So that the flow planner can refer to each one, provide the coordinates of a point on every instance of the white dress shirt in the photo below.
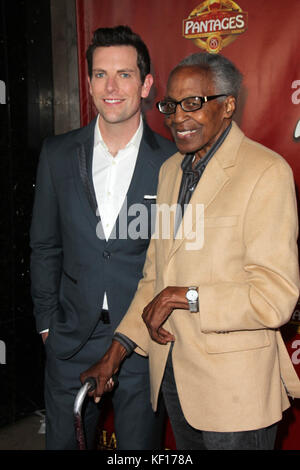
(111, 177)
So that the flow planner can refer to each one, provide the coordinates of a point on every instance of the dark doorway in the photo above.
(26, 118)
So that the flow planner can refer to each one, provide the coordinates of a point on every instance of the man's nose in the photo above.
(179, 114)
(111, 84)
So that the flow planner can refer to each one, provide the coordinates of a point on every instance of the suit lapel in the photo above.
(211, 183)
(82, 169)
(144, 167)
(168, 197)
(85, 170)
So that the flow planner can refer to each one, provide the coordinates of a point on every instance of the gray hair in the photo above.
(227, 78)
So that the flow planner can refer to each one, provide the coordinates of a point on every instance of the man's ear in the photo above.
(229, 106)
(90, 86)
(146, 87)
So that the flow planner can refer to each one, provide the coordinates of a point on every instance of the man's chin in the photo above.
(184, 149)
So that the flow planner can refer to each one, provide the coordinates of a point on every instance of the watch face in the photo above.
(192, 295)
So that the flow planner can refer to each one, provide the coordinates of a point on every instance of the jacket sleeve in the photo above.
(46, 246)
(132, 326)
(268, 295)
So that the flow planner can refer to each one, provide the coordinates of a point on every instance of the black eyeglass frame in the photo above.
(203, 99)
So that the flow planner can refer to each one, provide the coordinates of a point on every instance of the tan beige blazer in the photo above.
(230, 363)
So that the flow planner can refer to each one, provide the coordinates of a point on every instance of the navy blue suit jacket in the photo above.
(71, 267)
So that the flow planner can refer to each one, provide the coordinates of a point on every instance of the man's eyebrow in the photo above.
(126, 70)
(100, 69)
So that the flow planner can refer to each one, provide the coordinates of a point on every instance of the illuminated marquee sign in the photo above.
(214, 24)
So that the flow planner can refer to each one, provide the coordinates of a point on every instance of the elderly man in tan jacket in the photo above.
(217, 289)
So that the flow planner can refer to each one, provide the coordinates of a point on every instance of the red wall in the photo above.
(267, 53)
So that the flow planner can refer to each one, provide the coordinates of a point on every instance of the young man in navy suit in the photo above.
(86, 258)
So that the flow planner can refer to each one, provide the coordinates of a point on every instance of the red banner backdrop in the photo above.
(262, 39)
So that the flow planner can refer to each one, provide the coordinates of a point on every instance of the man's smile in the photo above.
(112, 100)
(185, 133)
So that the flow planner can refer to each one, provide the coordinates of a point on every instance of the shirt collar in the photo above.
(186, 163)
(135, 140)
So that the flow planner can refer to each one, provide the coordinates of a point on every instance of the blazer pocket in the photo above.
(70, 277)
(234, 341)
(226, 221)
(70, 295)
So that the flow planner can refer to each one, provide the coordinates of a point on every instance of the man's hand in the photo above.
(158, 310)
(104, 369)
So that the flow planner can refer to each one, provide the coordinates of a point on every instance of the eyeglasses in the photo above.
(190, 104)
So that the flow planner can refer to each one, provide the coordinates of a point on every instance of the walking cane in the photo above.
(88, 386)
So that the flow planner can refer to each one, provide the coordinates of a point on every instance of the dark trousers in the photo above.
(135, 424)
(189, 438)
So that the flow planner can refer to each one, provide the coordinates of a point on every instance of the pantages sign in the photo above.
(215, 24)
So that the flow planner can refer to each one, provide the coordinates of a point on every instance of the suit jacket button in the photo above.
(106, 254)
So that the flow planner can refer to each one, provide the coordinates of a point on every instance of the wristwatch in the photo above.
(192, 298)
